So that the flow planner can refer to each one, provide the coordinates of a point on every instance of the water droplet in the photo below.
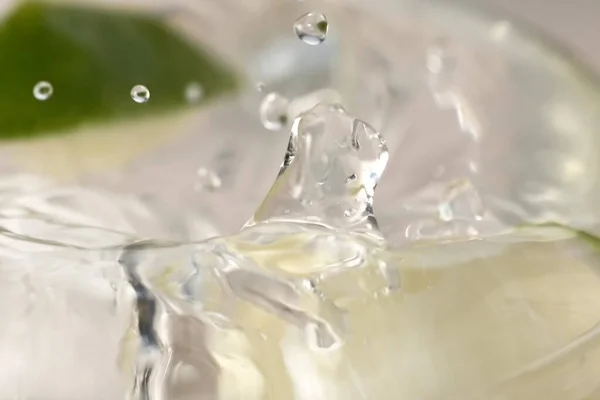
(260, 86)
(312, 28)
(274, 111)
(208, 180)
(351, 178)
(43, 90)
(140, 94)
(194, 92)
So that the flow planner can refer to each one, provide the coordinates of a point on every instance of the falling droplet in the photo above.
(208, 180)
(194, 92)
(43, 90)
(274, 111)
(312, 28)
(140, 94)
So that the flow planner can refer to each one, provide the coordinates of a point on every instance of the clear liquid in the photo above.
(308, 301)
(305, 302)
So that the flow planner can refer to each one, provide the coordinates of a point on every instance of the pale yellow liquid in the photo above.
(483, 319)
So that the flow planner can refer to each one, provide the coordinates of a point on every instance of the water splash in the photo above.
(451, 206)
(191, 318)
(326, 147)
(451, 209)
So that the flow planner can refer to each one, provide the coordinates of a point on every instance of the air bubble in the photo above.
(312, 28)
(43, 90)
(140, 94)
(274, 111)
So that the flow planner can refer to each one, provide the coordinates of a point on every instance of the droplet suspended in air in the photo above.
(207, 180)
(140, 94)
(43, 90)
(274, 111)
(194, 92)
(312, 28)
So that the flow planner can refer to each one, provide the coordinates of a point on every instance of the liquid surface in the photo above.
(306, 302)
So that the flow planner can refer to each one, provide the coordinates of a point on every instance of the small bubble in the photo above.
(274, 111)
(312, 28)
(208, 180)
(43, 90)
(140, 94)
(349, 212)
(194, 92)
